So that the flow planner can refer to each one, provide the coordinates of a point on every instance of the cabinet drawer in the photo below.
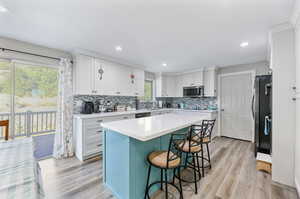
(93, 144)
(93, 122)
(93, 131)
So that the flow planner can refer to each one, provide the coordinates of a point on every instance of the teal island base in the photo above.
(125, 164)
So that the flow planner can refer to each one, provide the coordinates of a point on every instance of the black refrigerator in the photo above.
(262, 114)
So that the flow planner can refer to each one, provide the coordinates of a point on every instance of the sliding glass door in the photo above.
(5, 93)
(28, 98)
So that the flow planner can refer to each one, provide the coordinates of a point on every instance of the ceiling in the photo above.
(186, 34)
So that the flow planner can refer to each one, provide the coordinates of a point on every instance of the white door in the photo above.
(235, 105)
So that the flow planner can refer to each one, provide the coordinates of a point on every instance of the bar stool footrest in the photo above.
(188, 181)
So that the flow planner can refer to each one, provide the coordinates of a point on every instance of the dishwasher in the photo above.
(140, 115)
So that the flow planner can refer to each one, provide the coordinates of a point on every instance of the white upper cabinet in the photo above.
(172, 86)
(166, 86)
(137, 82)
(179, 86)
(192, 79)
(97, 77)
(210, 83)
(84, 75)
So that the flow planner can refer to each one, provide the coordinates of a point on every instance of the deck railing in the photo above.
(31, 123)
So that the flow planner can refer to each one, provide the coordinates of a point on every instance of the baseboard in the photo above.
(297, 186)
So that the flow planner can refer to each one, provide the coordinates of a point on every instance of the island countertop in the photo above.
(148, 128)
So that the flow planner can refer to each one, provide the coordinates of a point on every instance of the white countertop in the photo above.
(148, 128)
(110, 114)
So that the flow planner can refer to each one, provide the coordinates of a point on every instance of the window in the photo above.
(148, 96)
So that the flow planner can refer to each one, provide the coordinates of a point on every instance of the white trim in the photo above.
(281, 27)
(253, 73)
(297, 186)
(37, 64)
(103, 57)
(202, 69)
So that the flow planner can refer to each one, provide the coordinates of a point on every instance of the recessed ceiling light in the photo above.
(244, 44)
(118, 48)
(3, 9)
(164, 64)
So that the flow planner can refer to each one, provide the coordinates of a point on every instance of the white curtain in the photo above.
(63, 143)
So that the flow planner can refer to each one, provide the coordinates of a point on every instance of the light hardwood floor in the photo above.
(233, 176)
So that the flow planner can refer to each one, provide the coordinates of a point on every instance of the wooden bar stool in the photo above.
(5, 123)
(165, 160)
(202, 135)
(191, 149)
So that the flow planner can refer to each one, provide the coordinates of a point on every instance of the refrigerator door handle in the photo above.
(252, 108)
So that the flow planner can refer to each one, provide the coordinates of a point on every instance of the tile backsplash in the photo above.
(189, 103)
(192, 103)
(124, 100)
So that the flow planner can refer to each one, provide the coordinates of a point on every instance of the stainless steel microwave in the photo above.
(193, 91)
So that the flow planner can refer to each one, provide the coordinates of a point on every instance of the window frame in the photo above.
(152, 92)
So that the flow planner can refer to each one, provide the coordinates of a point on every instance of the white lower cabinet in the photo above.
(88, 135)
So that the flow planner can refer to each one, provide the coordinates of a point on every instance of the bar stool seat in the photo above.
(189, 146)
(166, 160)
(204, 140)
(160, 159)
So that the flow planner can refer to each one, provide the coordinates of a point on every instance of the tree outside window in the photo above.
(148, 90)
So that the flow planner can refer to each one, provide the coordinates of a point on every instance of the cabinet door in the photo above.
(139, 83)
(171, 88)
(179, 86)
(197, 78)
(123, 80)
(107, 83)
(187, 80)
(164, 86)
(84, 84)
(210, 83)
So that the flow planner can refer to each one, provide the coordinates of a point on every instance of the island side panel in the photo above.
(139, 166)
(139, 151)
(116, 163)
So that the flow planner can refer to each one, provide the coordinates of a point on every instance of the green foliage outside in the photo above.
(30, 81)
(148, 91)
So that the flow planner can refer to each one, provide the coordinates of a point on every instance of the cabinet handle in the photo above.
(118, 92)
(125, 117)
(99, 131)
(99, 120)
(99, 144)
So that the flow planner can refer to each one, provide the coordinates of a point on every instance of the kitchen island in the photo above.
(127, 144)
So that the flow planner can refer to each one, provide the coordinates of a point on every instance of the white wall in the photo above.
(261, 68)
(295, 19)
(283, 136)
(31, 48)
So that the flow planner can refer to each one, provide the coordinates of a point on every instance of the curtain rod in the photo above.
(33, 54)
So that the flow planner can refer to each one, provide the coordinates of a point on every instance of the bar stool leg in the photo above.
(208, 155)
(174, 173)
(195, 174)
(166, 180)
(161, 179)
(186, 160)
(202, 160)
(180, 185)
(198, 164)
(147, 184)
